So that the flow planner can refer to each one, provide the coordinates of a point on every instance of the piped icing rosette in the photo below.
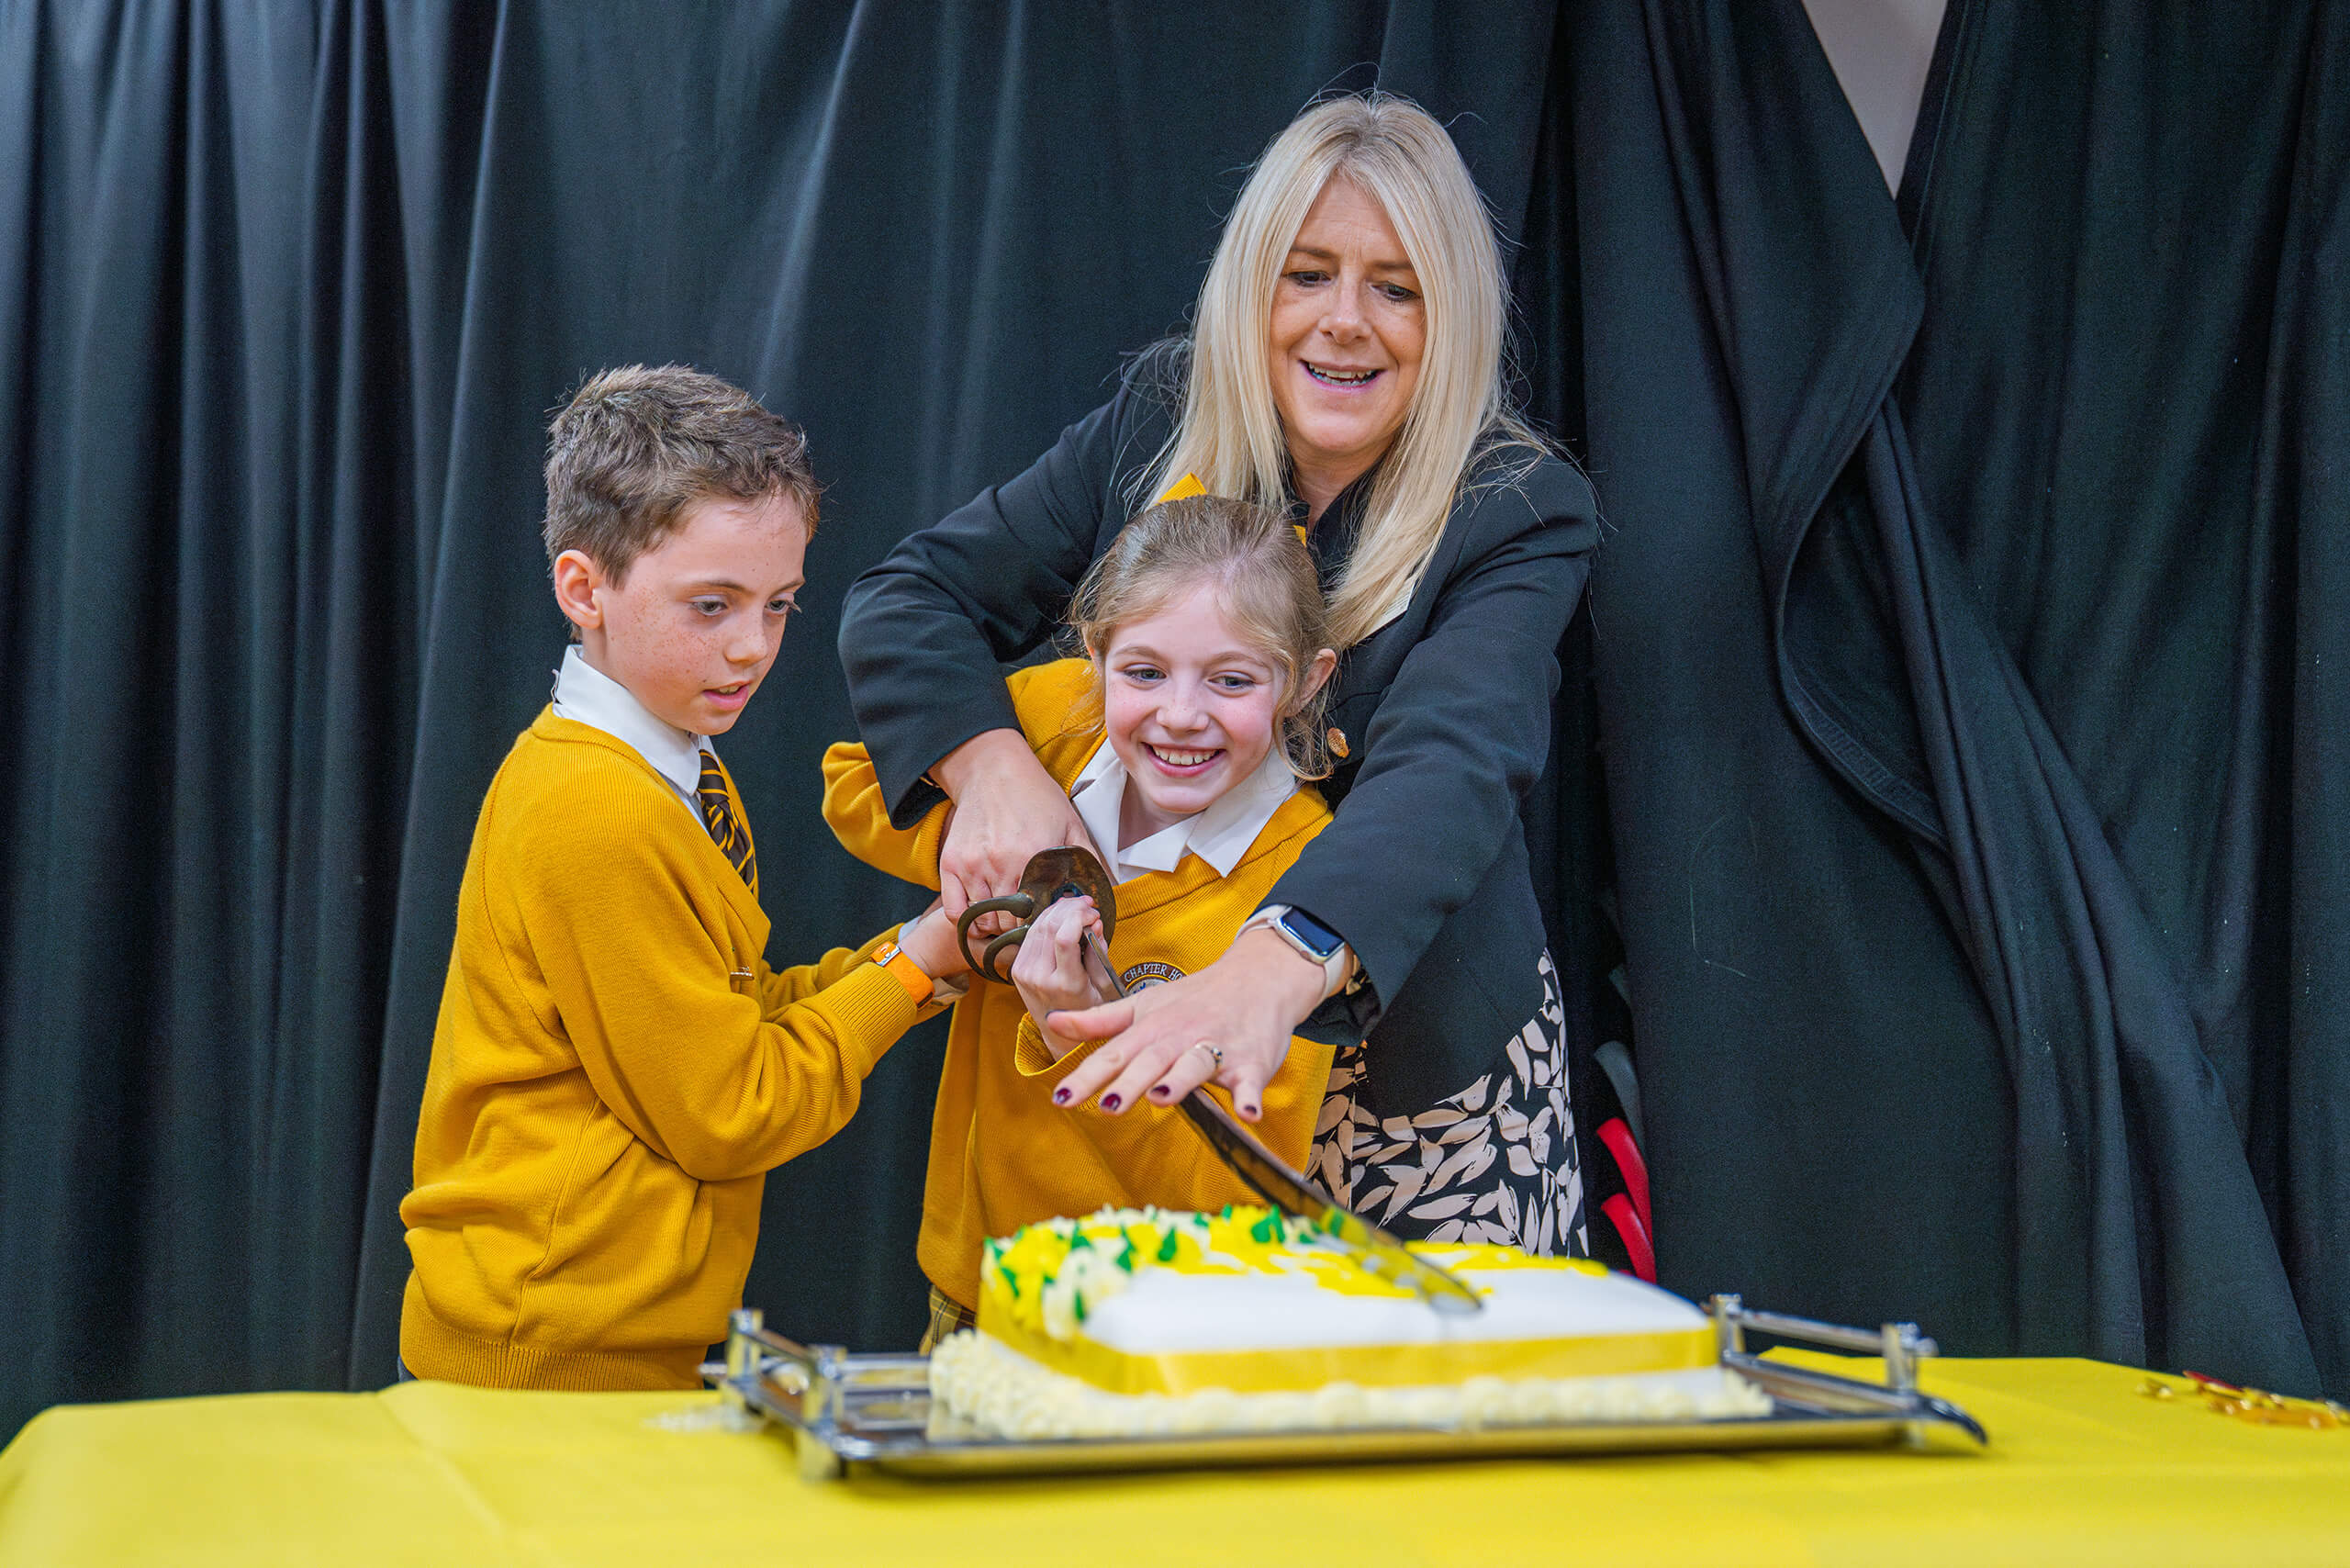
(1142, 1320)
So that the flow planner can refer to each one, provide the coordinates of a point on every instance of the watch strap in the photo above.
(905, 971)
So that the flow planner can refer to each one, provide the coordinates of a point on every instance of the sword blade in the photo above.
(1271, 1179)
(1263, 1172)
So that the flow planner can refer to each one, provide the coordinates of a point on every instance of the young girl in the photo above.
(1184, 737)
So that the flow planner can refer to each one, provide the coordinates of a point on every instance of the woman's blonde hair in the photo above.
(1229, 432)
(1265, 584)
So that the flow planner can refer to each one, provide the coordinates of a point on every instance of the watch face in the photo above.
(1312, 933)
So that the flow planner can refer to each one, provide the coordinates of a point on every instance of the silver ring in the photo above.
(1214, 1054)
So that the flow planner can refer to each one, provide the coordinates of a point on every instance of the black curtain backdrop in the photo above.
(1963, 659)
(1966, 644)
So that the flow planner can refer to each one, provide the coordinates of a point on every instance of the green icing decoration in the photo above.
(1167, 1249)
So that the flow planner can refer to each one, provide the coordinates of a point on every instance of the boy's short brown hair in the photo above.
(635, 446)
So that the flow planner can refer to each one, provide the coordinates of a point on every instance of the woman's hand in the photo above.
(1245, 1004)
(1007, 810)
(1051, 971)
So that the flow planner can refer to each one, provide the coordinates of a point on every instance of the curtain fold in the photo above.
(2142, 1236)
(1994, 503)
(1827, 1106)
(2124, 367)
(2304, 476)
(151, 659)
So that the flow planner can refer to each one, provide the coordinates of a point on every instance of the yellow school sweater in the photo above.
(614, 1071)
(1002, 1154)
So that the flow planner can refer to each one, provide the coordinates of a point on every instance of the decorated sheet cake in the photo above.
(1141, 1321)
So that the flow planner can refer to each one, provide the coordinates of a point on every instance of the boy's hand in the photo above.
(929, 940)
(1050, 969)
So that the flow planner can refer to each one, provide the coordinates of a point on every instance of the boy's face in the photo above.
(692, 627)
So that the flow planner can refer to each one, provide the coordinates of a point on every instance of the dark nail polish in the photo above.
(1060, 1096)
(1110, 1101)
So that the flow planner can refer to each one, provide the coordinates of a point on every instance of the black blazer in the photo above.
(1445, 714)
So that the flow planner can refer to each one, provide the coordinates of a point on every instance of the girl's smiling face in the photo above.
(1190, 707)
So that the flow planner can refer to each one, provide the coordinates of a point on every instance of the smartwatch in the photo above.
(1311, 938)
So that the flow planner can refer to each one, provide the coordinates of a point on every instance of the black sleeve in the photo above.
(925, 634)
(1459, 737)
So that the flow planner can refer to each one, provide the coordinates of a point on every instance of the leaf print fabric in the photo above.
(1494, 1162)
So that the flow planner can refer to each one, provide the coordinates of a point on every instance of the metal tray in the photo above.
(846, 1410)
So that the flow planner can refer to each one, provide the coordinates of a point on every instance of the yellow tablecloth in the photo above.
(2082, 1470)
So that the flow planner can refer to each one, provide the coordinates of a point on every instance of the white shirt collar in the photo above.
(1219, 836)
(584, 693)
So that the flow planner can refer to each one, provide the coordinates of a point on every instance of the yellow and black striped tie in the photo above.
(717, 815)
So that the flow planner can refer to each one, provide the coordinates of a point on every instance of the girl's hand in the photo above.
(1007, 810)
(1050, 969)
(1245, 1004)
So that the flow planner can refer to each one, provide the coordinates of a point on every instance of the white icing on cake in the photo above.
(1165, 1311)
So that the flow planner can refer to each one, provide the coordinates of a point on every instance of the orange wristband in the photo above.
(905, 971)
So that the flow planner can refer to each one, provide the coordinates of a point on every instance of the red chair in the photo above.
(1629, 1211)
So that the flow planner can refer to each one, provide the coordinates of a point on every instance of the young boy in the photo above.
(615, 1068)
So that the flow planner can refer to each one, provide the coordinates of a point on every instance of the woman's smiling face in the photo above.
(1349, 326)
(1190, 709)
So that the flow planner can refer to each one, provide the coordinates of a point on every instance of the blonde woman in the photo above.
(1345, 363)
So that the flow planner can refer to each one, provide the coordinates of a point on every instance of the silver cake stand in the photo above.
(874, 1411)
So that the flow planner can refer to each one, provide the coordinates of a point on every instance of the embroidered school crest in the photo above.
(1151, 974)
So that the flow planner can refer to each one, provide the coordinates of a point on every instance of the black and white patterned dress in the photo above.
(1493, 1162)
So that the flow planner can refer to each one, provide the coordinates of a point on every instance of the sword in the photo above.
(1264, 1173)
